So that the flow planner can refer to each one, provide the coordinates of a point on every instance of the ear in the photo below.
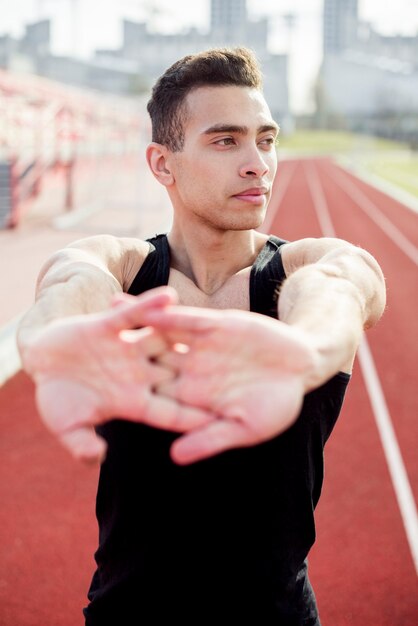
(157, 158)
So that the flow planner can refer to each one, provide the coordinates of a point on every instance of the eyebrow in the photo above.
(241, 130)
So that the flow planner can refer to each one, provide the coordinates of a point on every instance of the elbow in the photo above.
(362, 270)
(375, 289)
(76, 266)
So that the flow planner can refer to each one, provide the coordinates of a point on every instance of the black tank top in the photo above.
(223, 540)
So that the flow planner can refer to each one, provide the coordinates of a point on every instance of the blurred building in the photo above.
(228, 18)
(368, 81)
(32, 54)
(21, 54)
(144, 55)
(229, 26)
(340, 19)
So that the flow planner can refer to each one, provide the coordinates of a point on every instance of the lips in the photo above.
(254, 195)
(254, 191)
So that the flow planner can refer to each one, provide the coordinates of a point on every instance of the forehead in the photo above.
(230, 104)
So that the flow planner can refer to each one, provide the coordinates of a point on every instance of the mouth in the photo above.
(255, 195)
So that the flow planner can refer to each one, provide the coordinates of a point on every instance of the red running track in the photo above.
(362, 567)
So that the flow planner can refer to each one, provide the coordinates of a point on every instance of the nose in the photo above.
(254, 165)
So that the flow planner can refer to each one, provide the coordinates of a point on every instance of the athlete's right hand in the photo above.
(91, 368)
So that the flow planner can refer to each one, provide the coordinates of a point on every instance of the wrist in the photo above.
(330, 315)
(329, 352)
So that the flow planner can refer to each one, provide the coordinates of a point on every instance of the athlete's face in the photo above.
(225, 172)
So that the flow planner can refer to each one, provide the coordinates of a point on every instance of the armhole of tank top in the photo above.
(135, 287)
(280, 269)
(337, 383)
(343, 376)
(267, 266)
(279, 243)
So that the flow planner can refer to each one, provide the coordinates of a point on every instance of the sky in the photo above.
(80, 26)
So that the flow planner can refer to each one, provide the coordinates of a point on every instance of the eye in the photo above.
(225, 141)
(268, 141)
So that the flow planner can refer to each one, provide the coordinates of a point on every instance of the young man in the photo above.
(211, 414)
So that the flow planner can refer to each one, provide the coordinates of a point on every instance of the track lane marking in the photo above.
(396, 466)
(370, 208)
(384, 422)
(10, 362)
(278, 195)
(319, 201)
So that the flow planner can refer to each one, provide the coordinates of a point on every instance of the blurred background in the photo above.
(341, 79)
(75, 76)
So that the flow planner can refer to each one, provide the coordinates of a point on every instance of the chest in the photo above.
(234, 294)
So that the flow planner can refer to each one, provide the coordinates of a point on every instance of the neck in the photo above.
(210, 257)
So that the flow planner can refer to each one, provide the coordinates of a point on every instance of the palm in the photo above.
(247, 369)
(89, 369)
(96, 369)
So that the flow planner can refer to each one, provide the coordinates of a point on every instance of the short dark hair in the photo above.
(219, 66)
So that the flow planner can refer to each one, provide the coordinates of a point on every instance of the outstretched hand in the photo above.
(224, 379)
(250, 371)
(92, 368)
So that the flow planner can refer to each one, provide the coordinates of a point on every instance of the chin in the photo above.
(251, 221)
(237, 220)
(244, 224)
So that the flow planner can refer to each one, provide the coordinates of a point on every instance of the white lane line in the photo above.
(409, 201)
(319, 200)
(9, 356)
(376, 215)
(397, 470)
(278, 195)
(391, 449)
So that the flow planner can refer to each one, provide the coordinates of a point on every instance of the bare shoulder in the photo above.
(339, 258)
(302, 252)
(120, 256)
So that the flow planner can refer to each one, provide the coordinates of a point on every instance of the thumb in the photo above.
(127, 311)
(84, 445)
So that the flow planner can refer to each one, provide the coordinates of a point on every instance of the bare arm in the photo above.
(81, 278)
(87, 360)
(334, 290)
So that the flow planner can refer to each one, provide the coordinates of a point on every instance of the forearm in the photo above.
(333, 301)
(66, 288)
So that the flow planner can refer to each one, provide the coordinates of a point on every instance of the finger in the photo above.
(168, 389)
(157, 375)
(182, 339)
(214, 438)
(84, 445)
(147, 341)
(173, 359)
(165, 413)
(181, 318)
(130, 310)
(185, 388)
(123, 297)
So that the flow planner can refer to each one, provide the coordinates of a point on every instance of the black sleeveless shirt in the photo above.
(223, 540)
